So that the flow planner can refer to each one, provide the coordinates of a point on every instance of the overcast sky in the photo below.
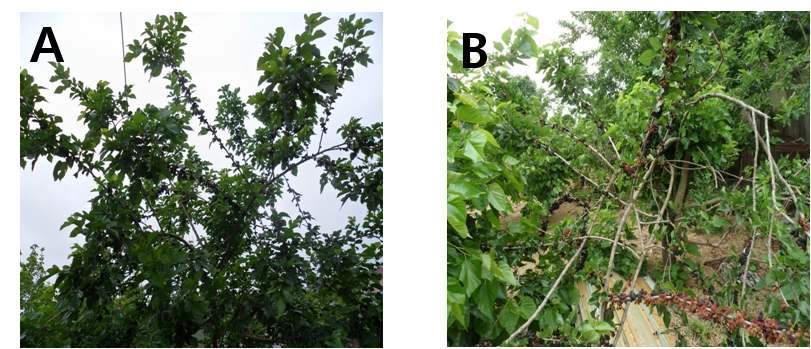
(495, 23)
(222, 49)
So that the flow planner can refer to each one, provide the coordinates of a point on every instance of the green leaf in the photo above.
(455, 51)
(469, 276)
(473, 115)
(60, 169)
(318, 34)
(485, 299)
(526, 307)
(647, 56)
(497, 198)
(458, 313)
(279, 307)
(464, 189)
(503, 272)
(510, 161)
(487, 266)
(472, 152)
(590, 331)
(507, 36)
(480, 136)
(533, 21)
(708, 21)
(527, 47)
(602, 327)
(466, 99)
(655, 44)
(508, 317)
(588, 335)
(547, 322)
(456, 294)
(457, 217)
(691, 248)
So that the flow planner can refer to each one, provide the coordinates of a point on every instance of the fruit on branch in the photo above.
(652, 128)
(803, 224)
(186, 91)
(763, 327)
(629, 170)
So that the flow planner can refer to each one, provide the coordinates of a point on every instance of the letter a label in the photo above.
(47, 33)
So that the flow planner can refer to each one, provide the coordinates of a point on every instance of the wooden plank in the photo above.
(643, 327)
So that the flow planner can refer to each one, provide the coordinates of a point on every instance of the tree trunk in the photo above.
(678, 208)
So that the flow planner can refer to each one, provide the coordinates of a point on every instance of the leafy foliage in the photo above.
(180, 253)
(39, 315)
(586, 129)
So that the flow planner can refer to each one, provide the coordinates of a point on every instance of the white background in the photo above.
(414, 135)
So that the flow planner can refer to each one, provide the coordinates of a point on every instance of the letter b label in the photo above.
(468, 49)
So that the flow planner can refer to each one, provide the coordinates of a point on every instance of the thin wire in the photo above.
(123, 55)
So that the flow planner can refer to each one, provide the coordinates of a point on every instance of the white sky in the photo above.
(492, 25)
(222, 49)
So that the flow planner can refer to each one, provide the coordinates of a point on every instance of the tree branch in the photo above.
(774, 170)
(303, 160)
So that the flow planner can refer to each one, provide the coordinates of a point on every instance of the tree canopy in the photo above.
(178, 252)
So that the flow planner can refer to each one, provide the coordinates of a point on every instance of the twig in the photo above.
(754, 164)
(303, 160)
(259, 338)
(614, 147)
(591, 181)
(624, 217)
(769, 256)
(589, 146)
(653, 197)
(123, 54)
(771, 168)
(669, 192)
(191, 224)
(551, 290)
(197, 111)
(739, 102)
(631, 285)
(176, 238)
(722, 172)
(595, 237)
(746, 264)
(718, 67)
(161, 232)
(666, 221)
